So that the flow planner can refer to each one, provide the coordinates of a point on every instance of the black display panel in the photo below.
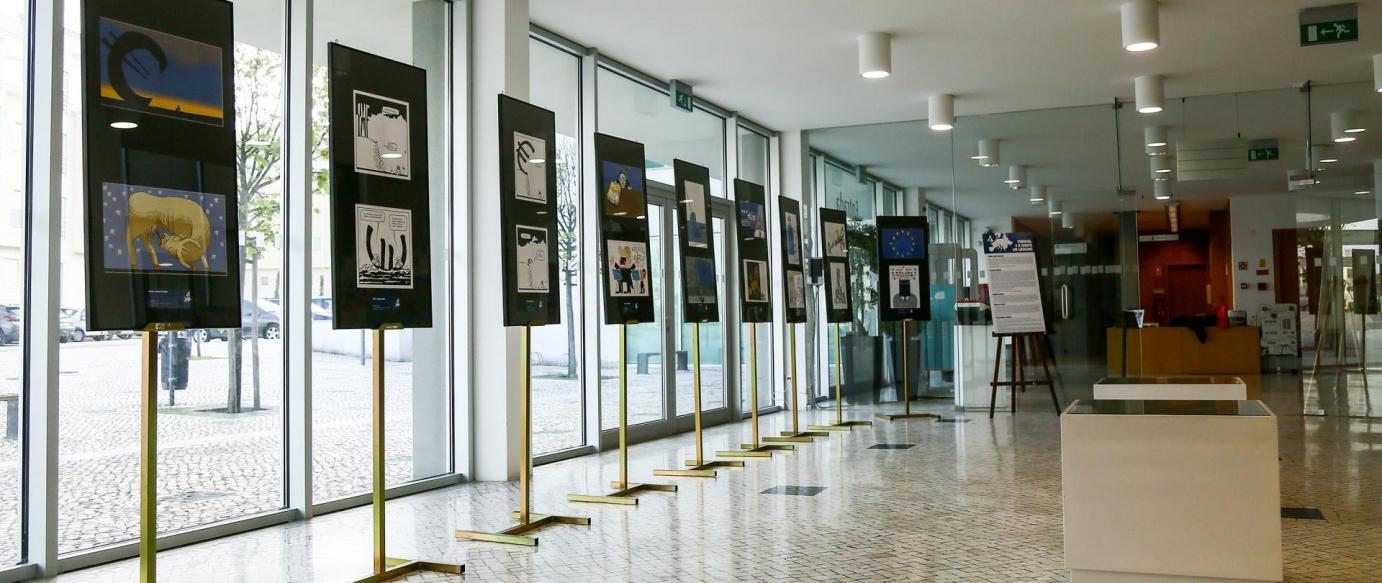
(904, 279)
(381, 260)
(793, 260)
(623, 202)
(835, 247)
(162, 229)
(755, 282)
(527, 185)
(698, 271)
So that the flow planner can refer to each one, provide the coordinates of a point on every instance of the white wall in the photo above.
(1252, 219)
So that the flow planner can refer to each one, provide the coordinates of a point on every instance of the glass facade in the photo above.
(14, 91)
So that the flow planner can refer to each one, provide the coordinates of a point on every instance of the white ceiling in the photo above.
(792, 64)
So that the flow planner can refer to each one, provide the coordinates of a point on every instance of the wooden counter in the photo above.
(1170, 350)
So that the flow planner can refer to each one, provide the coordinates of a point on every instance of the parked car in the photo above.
(11, 319)
(270, 325)
(67, 329)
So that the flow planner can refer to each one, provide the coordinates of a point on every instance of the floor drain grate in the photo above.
(794, 490)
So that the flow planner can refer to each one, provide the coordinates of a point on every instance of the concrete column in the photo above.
(499, 65)
(914, 201)
(794, 159)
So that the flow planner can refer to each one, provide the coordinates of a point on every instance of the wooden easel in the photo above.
(1019, 380)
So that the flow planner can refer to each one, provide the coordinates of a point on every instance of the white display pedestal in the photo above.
(1179, 388)
(1171, 491)
(974, 356)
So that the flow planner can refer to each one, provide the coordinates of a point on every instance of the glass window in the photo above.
(712, 343)
(13, 137)
(220, 429)
(643, 360)
(417, 360)
(558, 401)
(753, 157)
(634, 111)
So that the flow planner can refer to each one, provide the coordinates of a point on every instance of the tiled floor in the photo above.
(976, 501)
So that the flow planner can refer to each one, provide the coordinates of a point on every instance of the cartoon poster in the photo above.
(531, 263)
(153, 72)
(753, 219)
(905, 284)
(381, 136)
(146, 229)
(796, 292)
(700, 280)
(529, 168)
(383, 252)
(697, 216)
(628, 269)
(623, 188)
(792, 240)
(755, 280)
(839, 286)
(835, 240)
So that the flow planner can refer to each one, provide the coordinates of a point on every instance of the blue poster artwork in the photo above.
(700, 286)
(1009, 243)
(905, 243)
(162, 230)
(623, 186)
(154, 72)
(754, 219)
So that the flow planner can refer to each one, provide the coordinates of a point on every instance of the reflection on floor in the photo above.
(976, 501)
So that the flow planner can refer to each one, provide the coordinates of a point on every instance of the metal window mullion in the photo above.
(298, 229)
(590, 249)
(733, 333)
(462, 361)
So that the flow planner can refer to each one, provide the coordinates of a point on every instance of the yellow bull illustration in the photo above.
(178, 225)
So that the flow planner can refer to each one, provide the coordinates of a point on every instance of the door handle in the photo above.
(1065, 301)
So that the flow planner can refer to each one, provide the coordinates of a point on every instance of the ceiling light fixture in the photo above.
(1054, 207)
(1162, 190)
(988, 153)
(1141, 26)
(1155, 136)
(1161, 165)
(1016, 176)
(941, 112)
(1150, 92)
(1067, 221)
(1342, 124)
(1362, 192)
(1377, 72)
(1036, 193)
(123, 125)
(1322, 154)
(875, 55)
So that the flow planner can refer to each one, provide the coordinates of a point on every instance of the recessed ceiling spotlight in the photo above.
(1150, 92)
(941, 112)
(875, 55)
(1036, 193)
(1016, 176)
(1141, 26)
(1342, 124)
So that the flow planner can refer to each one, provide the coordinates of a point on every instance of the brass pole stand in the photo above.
(755, 449)
(698, 468)
(796, 435)
(386, 568)
(840, 423)
(148, 457)
(527, 520)
(624, 490)
(906, 392)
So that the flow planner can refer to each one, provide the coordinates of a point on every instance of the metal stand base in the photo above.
(699, 469)
(514, 535)
(749, 450)
(841, 426)
(624, 494)
(789, 437)
(403, 567)
(806, 434)
(886, 417)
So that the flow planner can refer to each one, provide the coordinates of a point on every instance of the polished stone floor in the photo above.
(974, 500)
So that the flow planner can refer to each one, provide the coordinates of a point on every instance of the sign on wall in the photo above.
(1014, 288)
(904, 278)
(755, 283)
(835, 245)
(162, 235)
(624, 256)
(697, 248)
(528, 220)
(380, 245)
(793, 260)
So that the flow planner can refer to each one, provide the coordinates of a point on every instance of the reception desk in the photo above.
(1172, 350)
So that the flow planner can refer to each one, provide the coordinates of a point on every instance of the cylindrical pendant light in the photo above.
(1161, 165)
(1067, 221)
(1321, 154)
(1150, 92)
(988, 153)
(941, 112)
(1342, 126)
(1141, 26)
(1016, 176)
(875, 55)
(1377, 72)
(1036, 193)
(1054, 207)
(1155, 136)
(1161, 190)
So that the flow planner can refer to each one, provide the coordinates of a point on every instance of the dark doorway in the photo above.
(1187, 290)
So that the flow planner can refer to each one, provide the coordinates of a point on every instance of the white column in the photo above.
(40, 334)
(590, 249)
(298, 225)
(736, 387)
(794, 160)
(914, 201)
(499, 65)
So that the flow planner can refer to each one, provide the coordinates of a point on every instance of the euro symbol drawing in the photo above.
(121, 53)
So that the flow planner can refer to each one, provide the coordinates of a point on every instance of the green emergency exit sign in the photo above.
(682, 96)
(1322, 33)
(1261, 154)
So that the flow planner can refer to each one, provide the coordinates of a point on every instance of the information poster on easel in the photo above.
(1014, 289)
